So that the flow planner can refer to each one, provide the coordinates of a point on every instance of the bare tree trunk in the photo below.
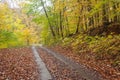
(53, 33)
(61, 29)
(78, 24)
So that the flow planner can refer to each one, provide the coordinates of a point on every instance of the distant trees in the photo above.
(15, 29)
(6, 35)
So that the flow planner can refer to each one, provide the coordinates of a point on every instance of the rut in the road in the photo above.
(44, 73)
(82, 70)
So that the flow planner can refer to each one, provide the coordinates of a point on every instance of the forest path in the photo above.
(51, 59)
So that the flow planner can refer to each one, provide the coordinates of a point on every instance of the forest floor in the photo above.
(19, 64)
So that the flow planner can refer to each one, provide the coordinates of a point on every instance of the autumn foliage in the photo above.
(13, 32)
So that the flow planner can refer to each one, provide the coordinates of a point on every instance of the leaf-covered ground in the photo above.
(88, 59)
(17, 64)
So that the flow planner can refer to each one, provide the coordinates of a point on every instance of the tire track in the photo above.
(44, 73)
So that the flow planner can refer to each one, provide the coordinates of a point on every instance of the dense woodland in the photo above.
(65, 18)
(84, 25)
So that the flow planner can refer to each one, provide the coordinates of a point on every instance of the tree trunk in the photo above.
(52, 31)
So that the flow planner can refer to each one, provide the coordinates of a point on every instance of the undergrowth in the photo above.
(103, 47)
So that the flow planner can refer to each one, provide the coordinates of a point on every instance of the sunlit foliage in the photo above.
(13, 32)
